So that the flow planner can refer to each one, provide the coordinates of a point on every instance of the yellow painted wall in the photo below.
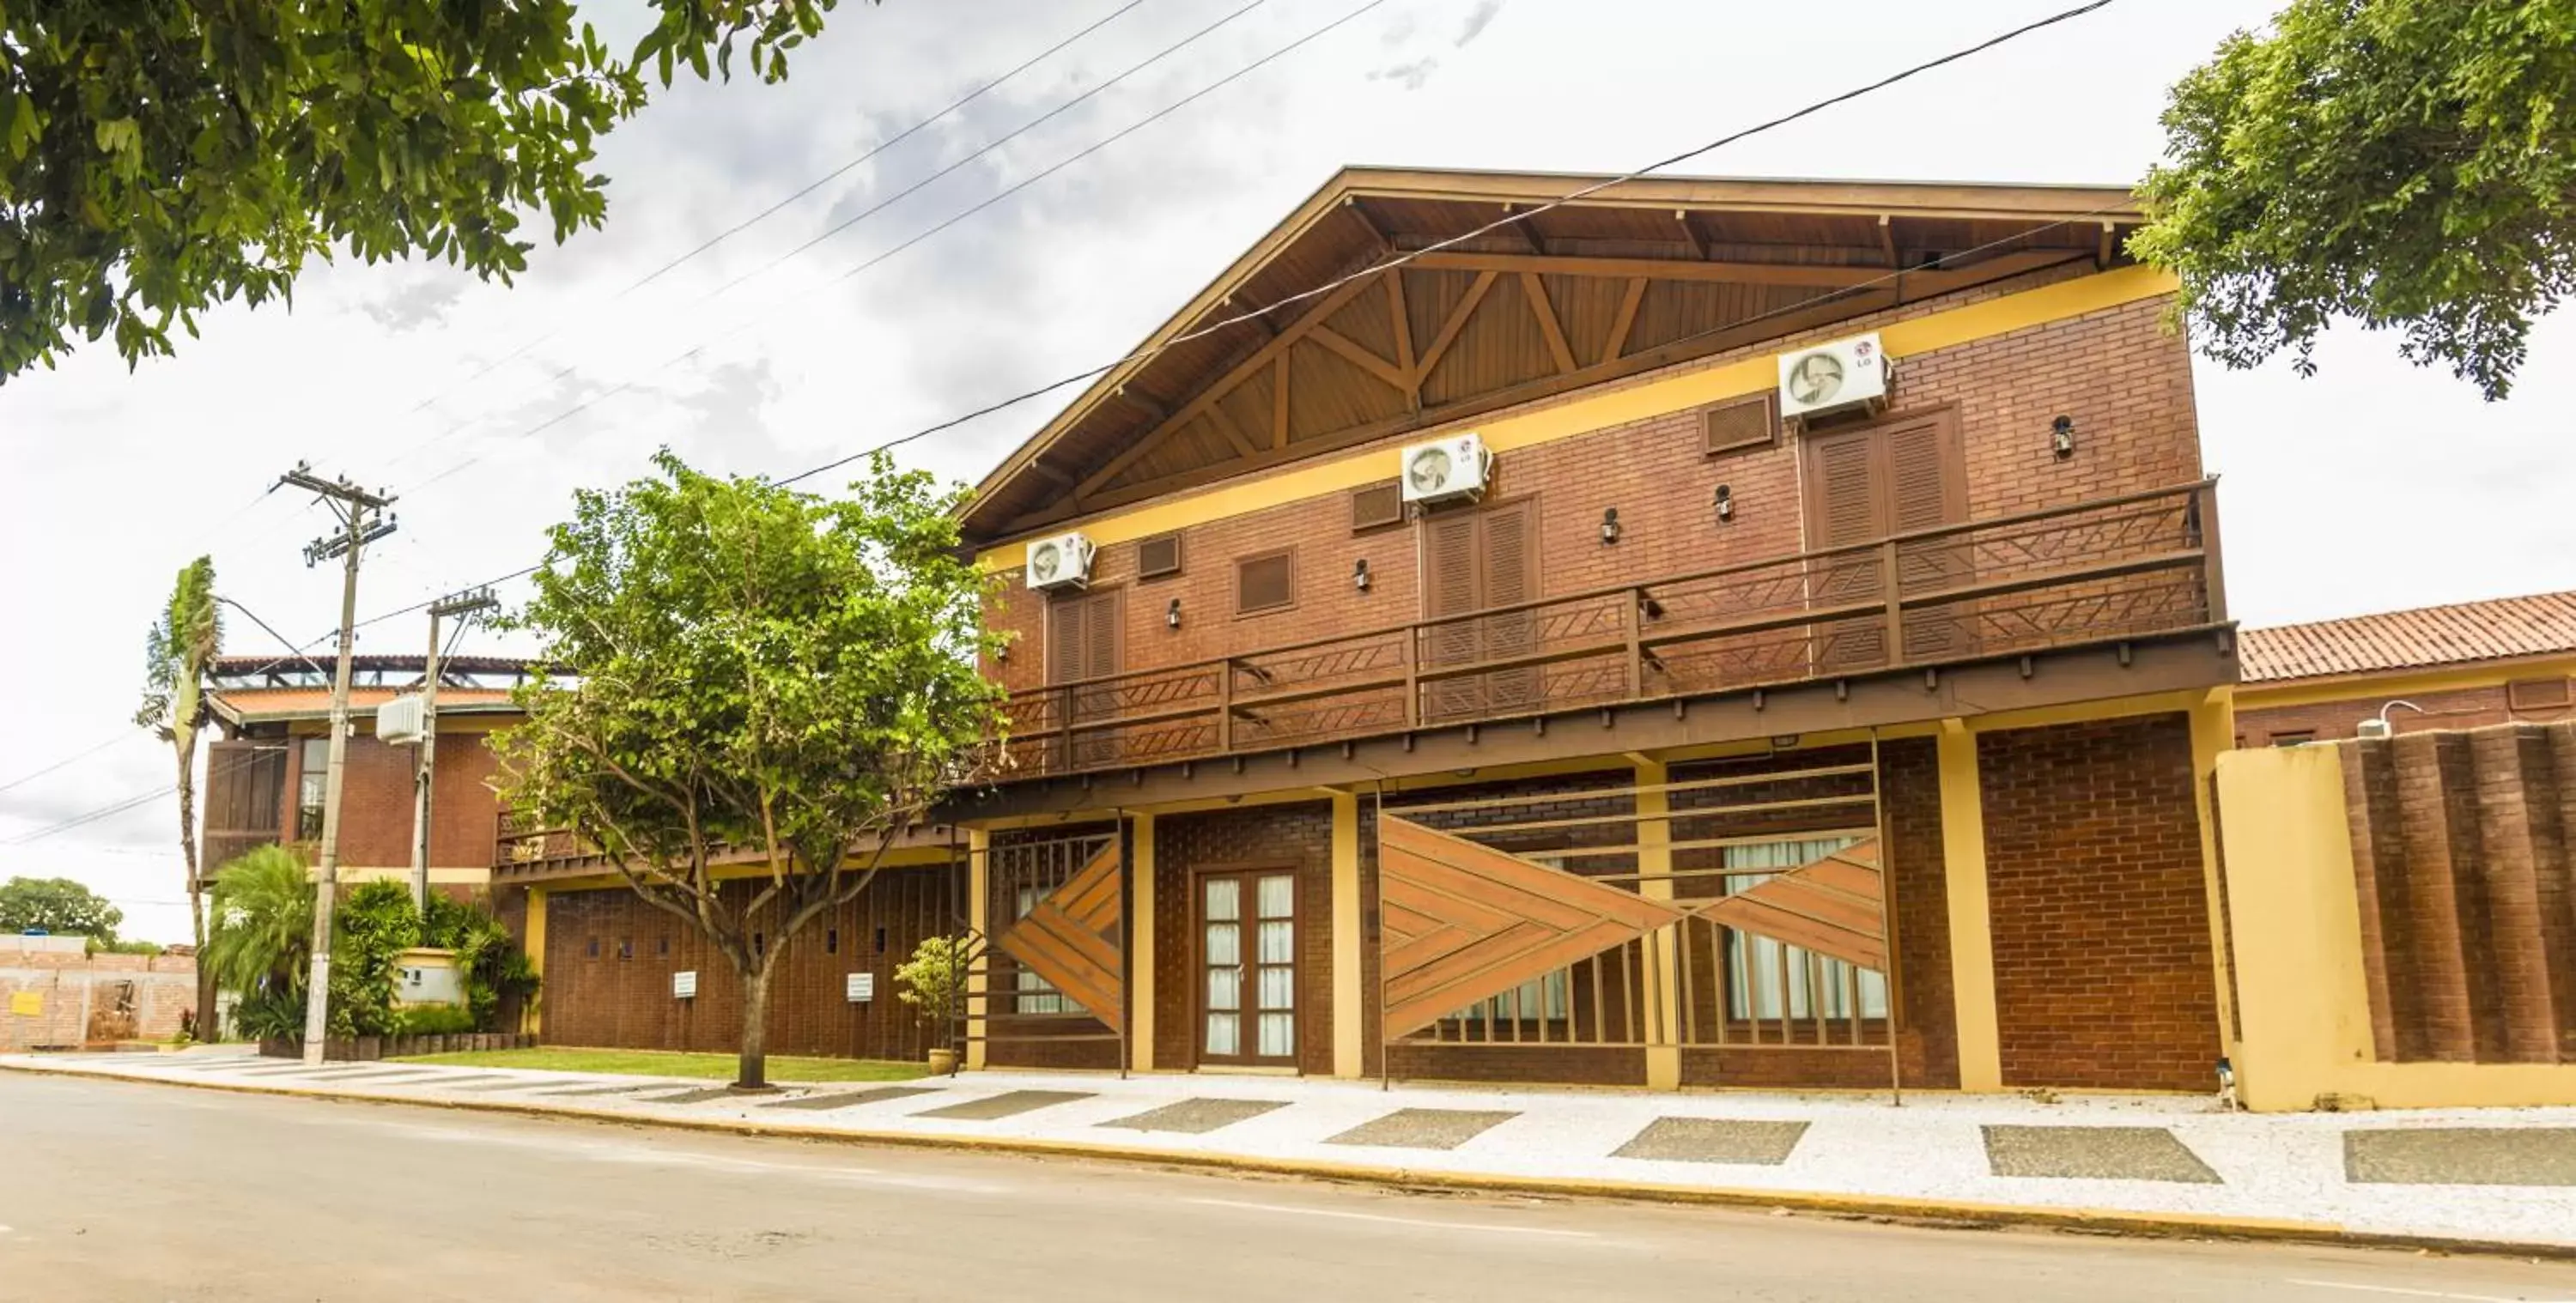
(2300, 990)
(532, 1019)
(1349, 1011)
(1972, 937)
(1140, 944)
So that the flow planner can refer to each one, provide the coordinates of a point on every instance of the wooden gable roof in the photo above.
(1641, 275)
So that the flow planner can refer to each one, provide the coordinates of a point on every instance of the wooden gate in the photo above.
(1740, 911)
(1050, 968)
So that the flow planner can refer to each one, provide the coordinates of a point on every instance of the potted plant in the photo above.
(932, 982)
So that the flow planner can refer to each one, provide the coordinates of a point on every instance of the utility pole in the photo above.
(461, 604)
(362, 521)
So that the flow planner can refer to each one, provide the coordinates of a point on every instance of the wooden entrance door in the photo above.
(1474, 560)
(1247, 960)
(1083, 644)
(1865, 483)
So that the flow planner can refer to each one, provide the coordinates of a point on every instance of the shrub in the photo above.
(933, 978)
(432, 1020)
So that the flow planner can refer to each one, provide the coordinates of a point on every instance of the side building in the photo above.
(2467, 665)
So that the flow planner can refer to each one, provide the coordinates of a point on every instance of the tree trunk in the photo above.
(206, 1028)
(752, 1073)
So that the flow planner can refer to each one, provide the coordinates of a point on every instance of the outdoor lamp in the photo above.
(1359, 575)
(1172, 614)
(2061, 437)
(1609, 524)
(1725, 504)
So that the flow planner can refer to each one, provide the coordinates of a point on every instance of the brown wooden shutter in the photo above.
(1451, 567)
(1158, 557)
(1927, 488)
(245, 799)
(2538, 695)
(1377, 505)
(1865, 484)
(1267, 582)
(1740, 425)
(1510, 550)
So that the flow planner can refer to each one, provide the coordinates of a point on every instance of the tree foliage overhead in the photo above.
(755, 676)
(2410, 164)
(60, 906)
(160, 156)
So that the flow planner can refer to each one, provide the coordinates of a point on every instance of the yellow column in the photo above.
(1349, 1012)
(2213, 730)
(1140, 946)
(978, 914)
(532, 1018)
(1972, 940)
(1654, 882)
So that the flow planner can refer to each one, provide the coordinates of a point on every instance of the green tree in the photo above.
(258, 937)
(743, 673)
(60, 906)
(176, 655)
(2410, 164)
(161, 156)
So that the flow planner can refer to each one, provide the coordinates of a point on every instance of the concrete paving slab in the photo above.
(2462, 1156)
(697, 1095)
(854, 1098)
(1714, 1140)
(1009, 1103)
(1196, 1117)
(628, 1088)
(2094, 1153)
(1424, 1128)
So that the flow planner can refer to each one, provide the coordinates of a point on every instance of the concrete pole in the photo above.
(428, 765)
(317, 995)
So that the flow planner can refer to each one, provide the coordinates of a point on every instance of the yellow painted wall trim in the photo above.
(1140, 946)
(1972, 940)
(532, 1018)
(1654, 882)
(1609, 405)
(979, 890)
(2213, 731)
(2373, 687)
(1349, 1011)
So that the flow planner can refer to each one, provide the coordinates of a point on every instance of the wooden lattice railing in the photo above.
(2110, 569)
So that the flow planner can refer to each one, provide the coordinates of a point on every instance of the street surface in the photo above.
(110, 1191)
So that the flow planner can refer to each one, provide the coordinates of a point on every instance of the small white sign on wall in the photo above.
(863, 987)
(684, 985)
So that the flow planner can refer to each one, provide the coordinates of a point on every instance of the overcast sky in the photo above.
(2372, 486)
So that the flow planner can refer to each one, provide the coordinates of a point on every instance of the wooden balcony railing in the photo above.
(2100, 571)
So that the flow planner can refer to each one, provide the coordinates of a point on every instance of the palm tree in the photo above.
(262, 932)
(182, 645)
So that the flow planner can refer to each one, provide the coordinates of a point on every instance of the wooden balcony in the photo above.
(2103, 573)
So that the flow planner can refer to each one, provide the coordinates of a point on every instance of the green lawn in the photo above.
(663, 1063)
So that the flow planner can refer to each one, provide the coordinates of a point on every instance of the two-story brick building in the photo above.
(1717, 715)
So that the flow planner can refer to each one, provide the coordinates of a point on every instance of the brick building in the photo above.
(1747, 724)
(2462, 666)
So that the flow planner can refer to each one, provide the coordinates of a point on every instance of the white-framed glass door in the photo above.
(1248, 967)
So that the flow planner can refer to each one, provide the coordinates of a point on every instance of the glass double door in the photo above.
(1248, 968)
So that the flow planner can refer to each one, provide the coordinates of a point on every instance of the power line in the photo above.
(763, 215)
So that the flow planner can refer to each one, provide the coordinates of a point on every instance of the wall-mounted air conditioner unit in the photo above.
(402, 720)
(1449, 470)
(1831, 377)
(1063, 561)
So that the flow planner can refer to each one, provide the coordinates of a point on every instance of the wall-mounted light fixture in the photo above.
(1725, 504)
(1360, 575)
(1002, 651)
(2061, 437)
(1609, 524)
(1172, 614)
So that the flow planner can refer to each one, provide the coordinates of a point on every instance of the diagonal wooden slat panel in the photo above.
(1072, 938)
(1834, 905)
(1478, 922)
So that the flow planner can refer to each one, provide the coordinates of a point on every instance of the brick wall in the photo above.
(2103, 975)
(2333, 721)
(2467, 890)
(610, 958)
(376, 802)
(2118, 372)
(84, 999)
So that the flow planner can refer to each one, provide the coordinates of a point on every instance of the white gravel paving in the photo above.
(2280, 1167)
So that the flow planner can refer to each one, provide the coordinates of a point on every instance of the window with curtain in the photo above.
(1031, 993)
(312, 784)
(1768, 979)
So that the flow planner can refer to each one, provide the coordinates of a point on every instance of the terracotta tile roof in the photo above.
(315, 703)
(2503, 629)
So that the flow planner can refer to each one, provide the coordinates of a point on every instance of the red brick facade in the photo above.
(2103, 975)
(2334, 721)
(1298, 838)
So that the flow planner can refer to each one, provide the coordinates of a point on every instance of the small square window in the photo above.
(662, 945)
(881, 941)
(591, 950)
(1739, 425)
(1376, 506)
(626, 947)
(1158, 557)
(832, 941)
(1267, 582)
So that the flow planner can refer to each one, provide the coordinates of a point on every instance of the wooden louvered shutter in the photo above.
(1082, 645)
(1510, 568)
(1846, 504)
(1928, 488)
(1451, 586)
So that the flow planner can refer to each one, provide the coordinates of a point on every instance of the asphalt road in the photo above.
(118, 1191)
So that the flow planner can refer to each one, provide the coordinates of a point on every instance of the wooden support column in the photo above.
(1349, 1012)
(979, 903)
(2213, 730)
(532, 1017)
(1140, 944)
(1663, 984)
(1972, 939)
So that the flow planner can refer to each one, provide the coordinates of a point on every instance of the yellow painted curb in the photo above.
(1890, 1207)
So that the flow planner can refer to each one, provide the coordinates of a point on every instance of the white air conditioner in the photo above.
(1830, 377)
(1063, 561)
(1453, 468)
(402, 720)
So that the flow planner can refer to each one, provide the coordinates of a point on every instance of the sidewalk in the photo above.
(2488, 1176)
